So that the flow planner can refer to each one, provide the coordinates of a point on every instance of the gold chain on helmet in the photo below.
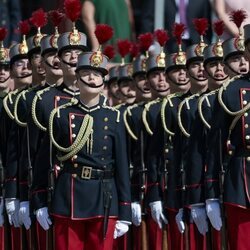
(186, 100)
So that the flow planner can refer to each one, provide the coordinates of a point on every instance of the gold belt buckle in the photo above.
(86, 173)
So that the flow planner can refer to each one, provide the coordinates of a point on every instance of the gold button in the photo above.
(73, 125)
(74, 175)
(105, 137)
(102, 159)
(246, 126)
(58, 98)
(248, 147)
(75, 165)
(106, 119)
(244, 102)
(104, 148)
(74, 157)
(73, 135)
(247, 137)
(244, 92)
(106, 127)
(248, 158)
(246, 114)
(72, 116)
(166, 150)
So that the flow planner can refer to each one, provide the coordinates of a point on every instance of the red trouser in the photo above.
(16, 238)
(238, 226)
(154, 234)
(175, 238)
(216, 239)
(2, 238)
(196, 240)
(83, 234)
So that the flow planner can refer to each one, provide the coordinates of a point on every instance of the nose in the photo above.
(162, 76)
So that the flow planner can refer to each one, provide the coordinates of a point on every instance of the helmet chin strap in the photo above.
(91, 86)
(50, 65)
(176, 83)
(21, 77)
(219, 80)
(234, 71)
(197, 79)
(144, 92)
(5, 80)
(70, 64)
(159, 91)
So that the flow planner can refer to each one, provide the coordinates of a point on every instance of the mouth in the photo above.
(56, 65)
(243, 71)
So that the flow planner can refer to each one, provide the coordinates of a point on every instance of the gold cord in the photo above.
(129, 130)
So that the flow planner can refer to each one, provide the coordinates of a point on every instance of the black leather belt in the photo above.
(87, 173)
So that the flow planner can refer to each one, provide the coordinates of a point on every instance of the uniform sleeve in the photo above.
(122, 173)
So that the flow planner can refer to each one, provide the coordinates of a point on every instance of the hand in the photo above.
(24, 214)
(42, 217)
(214, 213)
(1, 212)
(12, 209)
(136, 213)
(199, 216)
(157, 213)
(179, 221)
(121, 227)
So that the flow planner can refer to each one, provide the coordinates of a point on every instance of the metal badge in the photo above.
(180, 58)
(160, 60)
(96, 59)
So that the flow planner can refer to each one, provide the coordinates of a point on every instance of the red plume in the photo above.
(72, 9)
(38, 18)
(161, 36)
(109, 51)
(123, 47)
(145, 40)
(238, 17)
(219, 27)
(134, 50)
(103, 33)
(56, 17)
(3, 33)
(24, 27)
(178, 29)
(201, 25)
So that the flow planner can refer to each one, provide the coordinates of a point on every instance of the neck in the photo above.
(4, 90)
(213, 85)
(130, 100)
(19, 85)
(89, 100)
(196, 88)
(53, 79)
(70, 82)
(37, 80)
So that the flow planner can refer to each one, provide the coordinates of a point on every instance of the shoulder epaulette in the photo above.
(200, 103)
(37, 97)
(185, 101)
(7, 98)
(144, 114)
(125, 114)
(223, 105)
(115, 110)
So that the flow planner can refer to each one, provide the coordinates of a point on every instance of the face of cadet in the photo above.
(143, 88)
(114, 89)
(178, 79)
(52, 59)
(4, 76)
(36, 63)
(196, 72)
(69, 56)
(239, 63)
(127, 88)
(20, 71)
(216, 70)
(157, 81)
(93, 78)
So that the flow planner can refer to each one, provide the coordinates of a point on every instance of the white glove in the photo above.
(43, 218)
(121, 227)
(157, 213)
(199, 216)
(24, 214)
(214, 213)
(1, 212)
(136, 213)
(12, 209)
(179, 221)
